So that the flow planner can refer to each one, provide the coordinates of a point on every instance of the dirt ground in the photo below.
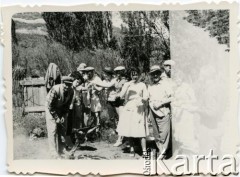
(24, 148)
(101, 148)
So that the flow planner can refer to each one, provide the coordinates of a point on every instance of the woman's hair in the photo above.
(136, 69)
(76, 75)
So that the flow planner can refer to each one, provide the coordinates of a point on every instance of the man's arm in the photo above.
(167, 100)
(51, 103)
(169, 96)
(124, 89)
(95, 87)
(169, 93)
(105, 84)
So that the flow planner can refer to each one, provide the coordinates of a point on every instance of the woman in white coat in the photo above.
(132, 122)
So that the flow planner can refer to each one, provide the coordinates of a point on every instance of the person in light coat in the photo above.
(160, 97)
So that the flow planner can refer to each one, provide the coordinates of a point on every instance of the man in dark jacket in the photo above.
(57, 106)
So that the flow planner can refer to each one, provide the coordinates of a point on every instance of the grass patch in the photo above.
(24, 124)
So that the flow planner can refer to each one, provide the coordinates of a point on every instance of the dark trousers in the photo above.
(112, 113)
(161, 131)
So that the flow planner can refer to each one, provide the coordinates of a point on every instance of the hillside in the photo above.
(28, 15)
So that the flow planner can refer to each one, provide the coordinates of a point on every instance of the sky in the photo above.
(116, 19)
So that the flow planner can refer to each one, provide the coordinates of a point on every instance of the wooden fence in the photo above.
(34, 94)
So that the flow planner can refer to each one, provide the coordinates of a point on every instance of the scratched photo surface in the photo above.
(46, 46)
(98, 39)
(128, 89)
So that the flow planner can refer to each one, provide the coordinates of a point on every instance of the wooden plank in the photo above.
(35, 109)
(35, 96)
(25, 96)
(34, 82)
(38, 95)
(42, 95)
(30, 96)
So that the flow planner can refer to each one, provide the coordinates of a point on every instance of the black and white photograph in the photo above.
(113, 84)
(81, 83)
(98, 85)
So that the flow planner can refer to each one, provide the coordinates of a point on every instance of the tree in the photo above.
(15, 52)
(79, 30)
(13, 30)
(146, 38)
(135, 42)
(214, 21)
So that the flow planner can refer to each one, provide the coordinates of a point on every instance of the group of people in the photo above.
(130, 104)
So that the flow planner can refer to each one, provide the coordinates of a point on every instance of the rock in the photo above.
(37, 133)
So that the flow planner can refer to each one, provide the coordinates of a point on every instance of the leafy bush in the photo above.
(37, 51)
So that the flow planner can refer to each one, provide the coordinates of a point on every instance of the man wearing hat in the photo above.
(110, 93)
(167, 66)
(93, 93)
(109, 84)
(85, 110)
(57, 106)
(121, 80)
(114, 87)
(160, 96)
(81, 68)
(167, 71)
